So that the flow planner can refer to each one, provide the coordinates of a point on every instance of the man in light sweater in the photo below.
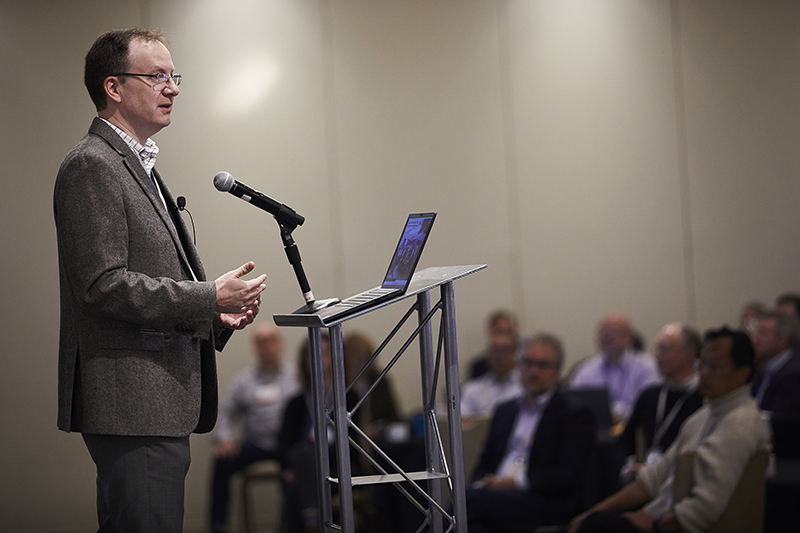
(724, 434)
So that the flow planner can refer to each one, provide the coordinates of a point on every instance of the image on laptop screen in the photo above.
(408, 251)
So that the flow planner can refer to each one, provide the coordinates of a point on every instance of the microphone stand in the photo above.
(287, 223)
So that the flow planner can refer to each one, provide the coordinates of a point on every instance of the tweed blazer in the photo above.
(136, 347)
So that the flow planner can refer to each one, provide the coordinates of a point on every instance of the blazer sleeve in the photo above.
(496, 439)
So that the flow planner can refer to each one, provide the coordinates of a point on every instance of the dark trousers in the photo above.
(605, 522)
(502, 510)
(140, 482)
(221, 482)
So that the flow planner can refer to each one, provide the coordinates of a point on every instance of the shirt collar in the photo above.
(538, 403)
(147, 152)
(690, 383)
(775, 364)
(622, 361)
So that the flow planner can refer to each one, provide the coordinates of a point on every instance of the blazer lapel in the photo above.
(545, 428)
(134, 166)
(186, 246)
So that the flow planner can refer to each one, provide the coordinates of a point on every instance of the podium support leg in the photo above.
(432, 461)
(342, 430)
(454, 406)
(320, 428)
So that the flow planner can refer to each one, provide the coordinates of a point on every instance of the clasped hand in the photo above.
(238, 300)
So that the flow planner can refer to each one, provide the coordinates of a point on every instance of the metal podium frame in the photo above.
(435, 516)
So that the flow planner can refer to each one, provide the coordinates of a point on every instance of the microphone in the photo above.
(180, 202)
(284, 214)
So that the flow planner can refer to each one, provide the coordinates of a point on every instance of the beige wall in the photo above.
(626, 154)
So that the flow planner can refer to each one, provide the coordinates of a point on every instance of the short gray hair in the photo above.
(785, 326)
(548, 339)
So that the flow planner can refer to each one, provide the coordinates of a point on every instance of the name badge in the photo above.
(268, 394)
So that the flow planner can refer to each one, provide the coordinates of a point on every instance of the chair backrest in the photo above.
(473, 435)
(745, 510)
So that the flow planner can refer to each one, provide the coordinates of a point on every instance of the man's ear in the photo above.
(112, 87)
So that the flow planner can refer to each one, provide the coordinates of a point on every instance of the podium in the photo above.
(428, 500)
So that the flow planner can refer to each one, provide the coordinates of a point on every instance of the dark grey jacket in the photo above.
(136, 349)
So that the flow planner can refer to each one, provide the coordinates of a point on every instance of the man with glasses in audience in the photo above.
(536, 453)
(724, 435)
(139, 321)
(776, 386)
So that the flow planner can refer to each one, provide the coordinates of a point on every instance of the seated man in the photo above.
(789, 304)
(724, 434)
(531, 469)
(776, 386)
(618, 367)
(258, 395)
(479, 396)
(499, 323)
(660, 410)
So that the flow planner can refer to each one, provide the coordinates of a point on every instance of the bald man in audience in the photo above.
(258, 396)
(724, 435)
(661, 409)
(617, 366)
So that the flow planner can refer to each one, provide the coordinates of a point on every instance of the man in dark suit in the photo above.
(139, 321)
(776, 385)
(531, 470)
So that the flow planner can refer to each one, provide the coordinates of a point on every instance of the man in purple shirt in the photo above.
(617, 366)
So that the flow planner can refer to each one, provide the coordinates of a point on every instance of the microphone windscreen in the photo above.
(223, 181)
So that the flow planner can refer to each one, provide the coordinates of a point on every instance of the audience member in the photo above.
(258, 396)
(661, 409)
(379, 408)
(724, 434)
(536, 453)
(776, 386)
(748, 316)
(479, 396)
(623, 371)
(789, 305)
(499, 323)
(296, 449)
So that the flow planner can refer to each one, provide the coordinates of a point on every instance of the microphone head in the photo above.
(223, 181)
(181, 203)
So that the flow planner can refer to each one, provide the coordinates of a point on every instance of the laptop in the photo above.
(398, 275)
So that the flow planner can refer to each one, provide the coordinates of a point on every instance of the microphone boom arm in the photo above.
(293, 254)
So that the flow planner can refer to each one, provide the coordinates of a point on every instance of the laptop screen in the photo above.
(408, 251)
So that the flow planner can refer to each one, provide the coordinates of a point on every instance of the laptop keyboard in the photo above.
(365, 297)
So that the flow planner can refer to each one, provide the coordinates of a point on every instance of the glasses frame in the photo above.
(160, 78)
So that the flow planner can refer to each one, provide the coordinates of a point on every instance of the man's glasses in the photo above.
(160, 78)
(539, 365)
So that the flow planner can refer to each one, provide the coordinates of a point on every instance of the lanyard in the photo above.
(662, 424)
